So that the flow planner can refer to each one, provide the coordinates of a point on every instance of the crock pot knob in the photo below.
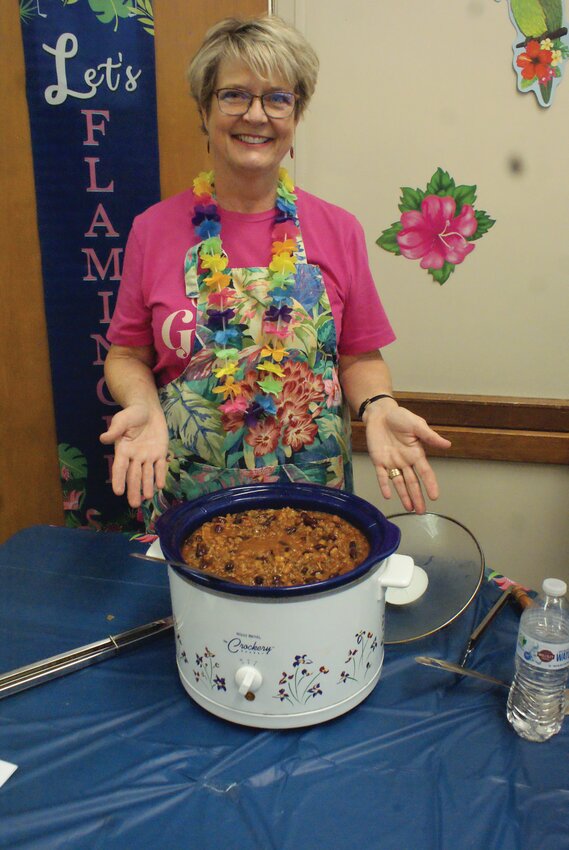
(248, 680)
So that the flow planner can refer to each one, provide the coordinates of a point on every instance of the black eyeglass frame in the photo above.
(260, 97)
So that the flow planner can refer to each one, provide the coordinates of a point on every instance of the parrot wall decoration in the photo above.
(540, 48)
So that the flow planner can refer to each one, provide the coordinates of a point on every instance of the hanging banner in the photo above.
(90, 83)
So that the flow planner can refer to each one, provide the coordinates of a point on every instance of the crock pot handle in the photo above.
(398, 571)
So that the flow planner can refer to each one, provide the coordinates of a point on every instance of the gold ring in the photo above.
(393, 473)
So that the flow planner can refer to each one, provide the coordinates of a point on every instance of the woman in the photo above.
(251, 305)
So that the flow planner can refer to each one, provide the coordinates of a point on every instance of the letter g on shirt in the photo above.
(174, 336)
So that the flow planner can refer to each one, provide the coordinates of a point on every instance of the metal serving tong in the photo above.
(515, 592)
(449, 667)
(441, 664)
(59, 665)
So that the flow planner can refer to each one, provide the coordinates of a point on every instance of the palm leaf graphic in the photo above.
(145, 15)
(73, 459)
(195, 421)
(27, 10)
(108, 11)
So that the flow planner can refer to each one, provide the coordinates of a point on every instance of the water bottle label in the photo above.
(545, 656)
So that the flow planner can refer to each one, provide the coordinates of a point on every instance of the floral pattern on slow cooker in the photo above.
(180, 651)
(206, 667)
(302, 684)
(358, 659)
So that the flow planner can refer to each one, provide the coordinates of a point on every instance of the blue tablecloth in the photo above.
(118, 756)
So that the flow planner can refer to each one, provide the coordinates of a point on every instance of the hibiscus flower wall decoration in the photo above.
(437, 225)
(540, 55)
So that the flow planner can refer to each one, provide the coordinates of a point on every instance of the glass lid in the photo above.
(454, 566)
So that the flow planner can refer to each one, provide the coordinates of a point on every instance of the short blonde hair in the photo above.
(267, 45)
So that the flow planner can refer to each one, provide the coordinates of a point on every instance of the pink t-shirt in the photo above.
(152, 307)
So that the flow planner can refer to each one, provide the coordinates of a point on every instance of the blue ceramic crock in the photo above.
(178, 523)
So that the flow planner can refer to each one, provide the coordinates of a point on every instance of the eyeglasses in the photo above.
(276, 104)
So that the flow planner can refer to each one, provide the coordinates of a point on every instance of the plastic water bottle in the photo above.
(536, 702)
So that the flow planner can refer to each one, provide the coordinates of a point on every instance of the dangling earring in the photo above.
(291, 152)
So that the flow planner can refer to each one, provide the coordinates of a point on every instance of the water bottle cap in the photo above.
(554, 587)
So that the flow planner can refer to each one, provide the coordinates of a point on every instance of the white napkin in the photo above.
(6, 771)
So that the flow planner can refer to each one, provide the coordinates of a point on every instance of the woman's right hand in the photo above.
(140, 435)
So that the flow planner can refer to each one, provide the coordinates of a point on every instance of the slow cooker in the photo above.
(282, 657)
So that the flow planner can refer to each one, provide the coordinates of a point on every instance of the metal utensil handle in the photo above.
(39, 672)
(186, 567)
(514, 591)
(449, 667)
(441, 664)
(497, 606)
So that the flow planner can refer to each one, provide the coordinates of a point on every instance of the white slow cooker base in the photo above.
(279, 721)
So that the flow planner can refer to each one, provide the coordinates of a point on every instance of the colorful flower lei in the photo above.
(278, 320)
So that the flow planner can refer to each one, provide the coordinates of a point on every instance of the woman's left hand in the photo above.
(395, 439)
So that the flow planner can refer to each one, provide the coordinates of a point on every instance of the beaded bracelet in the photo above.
(365, 403)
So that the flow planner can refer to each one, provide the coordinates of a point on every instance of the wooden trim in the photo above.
(30, 487)
(180, 28)
(479, 411)
(521, 430)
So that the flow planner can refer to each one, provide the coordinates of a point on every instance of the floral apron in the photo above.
(298, 431)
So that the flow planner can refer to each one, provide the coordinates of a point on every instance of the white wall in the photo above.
(406, 87)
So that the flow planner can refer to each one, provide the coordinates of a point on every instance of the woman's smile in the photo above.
(252, 140)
